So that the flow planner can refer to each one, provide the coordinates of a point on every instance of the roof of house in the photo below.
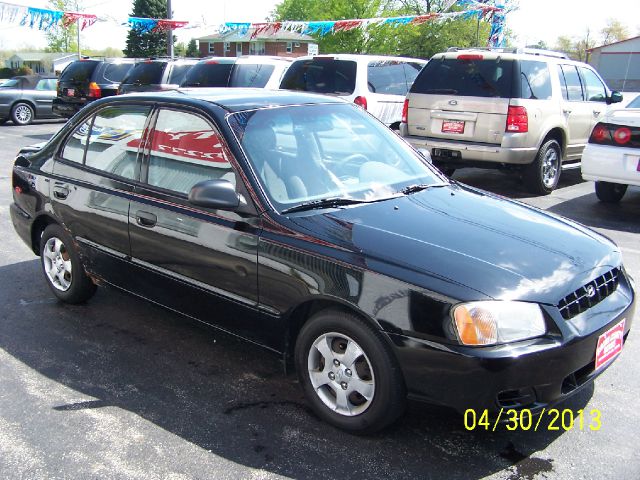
(41, 56)
(613, 43)
(235, 36)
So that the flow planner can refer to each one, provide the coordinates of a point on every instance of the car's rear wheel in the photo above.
(543, 174)
(610, 192)
(22, 114)
(62, 267)
(348, 373)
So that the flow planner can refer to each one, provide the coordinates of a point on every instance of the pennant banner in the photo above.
(41, 18)
(84, 20)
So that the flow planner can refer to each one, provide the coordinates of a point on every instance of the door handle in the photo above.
(146, 219)
(596, 113)
(566, 112)
(61, 191)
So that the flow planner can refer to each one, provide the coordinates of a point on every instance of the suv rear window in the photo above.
(247, 75)
(473, 78)
(111, 72)
(321, 75)
(146, 73)
(391, 77)
(208, 74)
(79, 71)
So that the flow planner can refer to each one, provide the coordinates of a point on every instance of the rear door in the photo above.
(43, 94)
(462, 98)
(576, 110)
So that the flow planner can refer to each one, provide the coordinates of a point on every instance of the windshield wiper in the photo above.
(442, 91)
(421, 186)
(323, 203)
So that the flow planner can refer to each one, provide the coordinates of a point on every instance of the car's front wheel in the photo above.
(348, 373)
(610, 192)
(62, 267)
(543, 174)
(22, 114)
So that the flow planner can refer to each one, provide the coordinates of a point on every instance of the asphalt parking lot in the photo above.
(121, 389)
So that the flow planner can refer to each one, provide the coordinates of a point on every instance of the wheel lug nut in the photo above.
(344, 385)
(336, 362)
(347, 372)
(332, 376)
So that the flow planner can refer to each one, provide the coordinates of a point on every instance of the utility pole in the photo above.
(78, 32)
(169, 32)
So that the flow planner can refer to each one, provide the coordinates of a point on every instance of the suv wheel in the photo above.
(22, 114)
(610, 192)
(348, 373)
(543, 174)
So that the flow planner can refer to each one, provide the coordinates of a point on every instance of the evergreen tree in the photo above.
(192, 49)
(148, 44)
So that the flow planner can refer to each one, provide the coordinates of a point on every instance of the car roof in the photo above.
(360, 57)
(235, 99)
(510, 54)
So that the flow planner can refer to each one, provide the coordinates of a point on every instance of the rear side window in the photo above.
(322, 76)
(185, 150)
(208, 74)
(467, 77)
(178, 72)
(391, 77)
(570, 83)
(114, 139)
(246, 75)
(146, 73)
(112, 72)
(535, 81)
(76, 143)
(79, 71)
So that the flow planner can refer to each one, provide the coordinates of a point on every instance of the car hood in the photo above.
(497, 247)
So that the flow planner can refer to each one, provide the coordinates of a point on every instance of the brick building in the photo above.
(232, 44)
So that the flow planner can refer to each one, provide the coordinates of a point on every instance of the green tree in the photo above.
(614, 31)
(192, 49)
(59, 38)
(180, 49)
(148, 44)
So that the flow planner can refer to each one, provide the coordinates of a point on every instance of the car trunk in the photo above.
(73, 85)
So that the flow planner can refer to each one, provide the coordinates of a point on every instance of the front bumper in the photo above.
(531, 374)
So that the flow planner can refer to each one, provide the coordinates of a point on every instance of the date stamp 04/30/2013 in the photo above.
(551, 419)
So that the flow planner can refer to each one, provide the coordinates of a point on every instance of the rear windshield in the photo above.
(112, 72)
(208, 74)
(391, 77)
(321, 75)
(246, 75)
(178, 72)
(146, 73)
(473, 78)
(79, 71)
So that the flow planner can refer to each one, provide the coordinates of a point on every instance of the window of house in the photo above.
(185, 150)
(238, 49)
(227, 47)
(212, 47)
(256, 48)
(289, 47)
(114, 139)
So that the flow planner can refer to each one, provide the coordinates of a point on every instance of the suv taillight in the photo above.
(362, 101)
(94, 90)
(616, 135)
(517, 119)
(405, 111)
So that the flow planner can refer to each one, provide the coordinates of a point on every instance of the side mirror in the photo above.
(616, 97)
(216, 194)
(425, 153)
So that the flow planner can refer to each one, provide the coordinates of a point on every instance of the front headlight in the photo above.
(492, 322)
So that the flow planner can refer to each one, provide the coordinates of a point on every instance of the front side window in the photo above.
(185, 150)
(570, 82)
(114, 139)
(313, 152)
(535, 81)
(391, 77)
(595, 89)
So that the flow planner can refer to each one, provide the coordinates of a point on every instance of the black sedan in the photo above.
(27, 97)
(303, 224)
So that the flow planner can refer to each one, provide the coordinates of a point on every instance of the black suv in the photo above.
(156, 74)
(88, 79)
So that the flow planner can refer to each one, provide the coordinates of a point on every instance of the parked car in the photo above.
(304, 224)
(612, 156)
(530, 110)
(88, 79)
(258, 71)
(27, 97)
(378, 84)
(155, 75)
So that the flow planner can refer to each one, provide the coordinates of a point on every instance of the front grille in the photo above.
(589, 295)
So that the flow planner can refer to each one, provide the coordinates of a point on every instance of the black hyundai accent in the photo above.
(301, 223)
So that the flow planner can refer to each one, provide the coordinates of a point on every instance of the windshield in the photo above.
(313, 152)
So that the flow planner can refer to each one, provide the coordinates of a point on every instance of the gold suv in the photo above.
(532, 109)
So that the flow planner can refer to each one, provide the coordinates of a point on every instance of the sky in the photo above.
(534, 20)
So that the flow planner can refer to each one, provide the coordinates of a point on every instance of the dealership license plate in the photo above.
(452, 126)
(70, 92)
(609, 344)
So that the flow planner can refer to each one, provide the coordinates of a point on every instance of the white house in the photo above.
(41, 62)
(618, 63)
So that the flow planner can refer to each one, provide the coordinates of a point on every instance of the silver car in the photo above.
(27, 97)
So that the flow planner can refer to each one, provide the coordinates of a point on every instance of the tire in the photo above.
(610, 192)
(348, 373)
(447, 170)
(543, 174)
(22, 114)
(62, 267)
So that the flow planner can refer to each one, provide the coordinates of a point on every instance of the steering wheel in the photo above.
(349, 167)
